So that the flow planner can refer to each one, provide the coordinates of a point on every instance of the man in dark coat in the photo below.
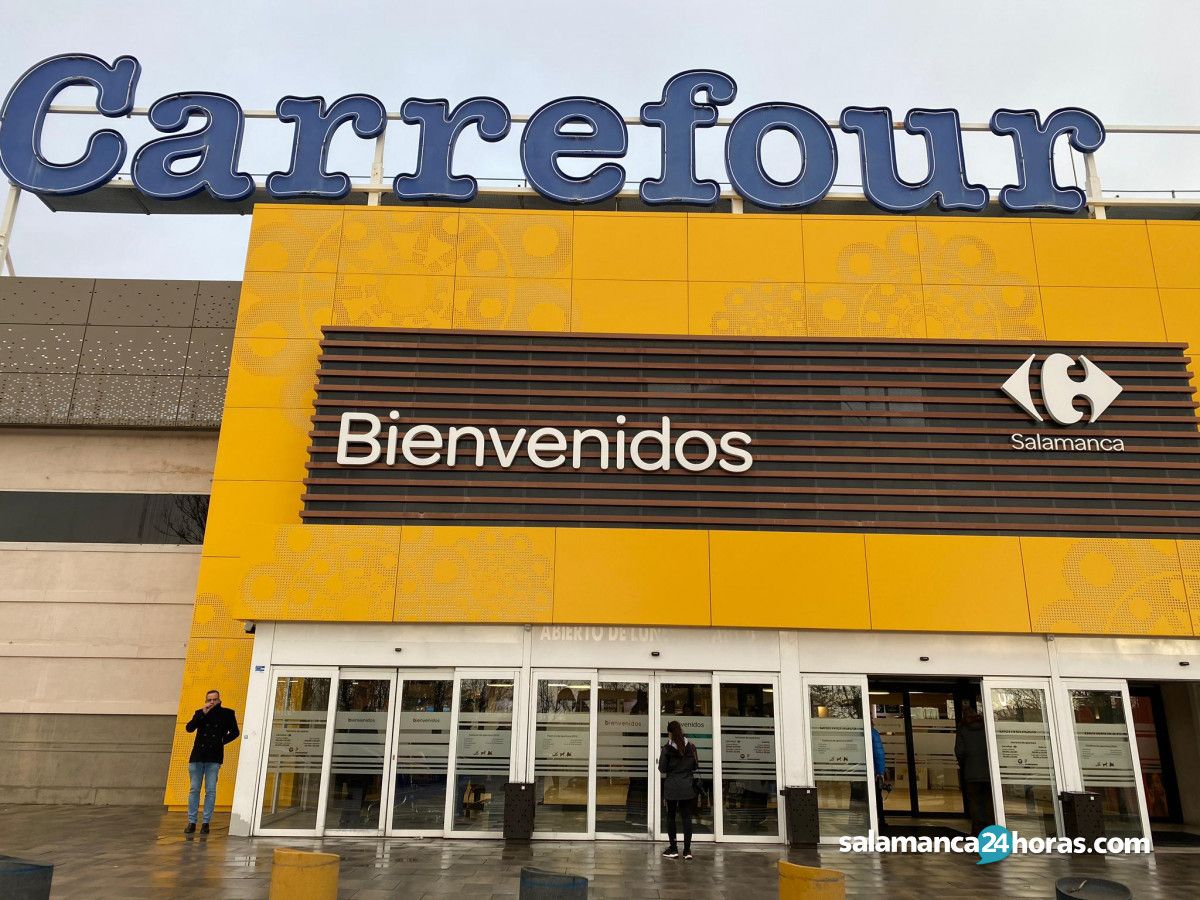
(215, 726)
(970, 748)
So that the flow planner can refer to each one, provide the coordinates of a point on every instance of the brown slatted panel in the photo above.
(828, 420)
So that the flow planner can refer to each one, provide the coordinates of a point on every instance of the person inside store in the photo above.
(678, 763)
(970, 749)
(879, 759)
(215, 726)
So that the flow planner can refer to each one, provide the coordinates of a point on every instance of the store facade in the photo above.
(499, 493)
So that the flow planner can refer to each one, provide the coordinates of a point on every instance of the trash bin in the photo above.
(810, 883)
(299, 875)
(800, 814)
(518, 811)
(21, 879)
(1083, 816)
(1077, 888)
(538, 884)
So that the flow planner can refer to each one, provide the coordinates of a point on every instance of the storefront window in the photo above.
(482, 754)
(749, 790)
(839, 758)
(1105, 759)
(562, 752)
(297, 750)
(1027, 783)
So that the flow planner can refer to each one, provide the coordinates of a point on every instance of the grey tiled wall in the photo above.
(113, 353)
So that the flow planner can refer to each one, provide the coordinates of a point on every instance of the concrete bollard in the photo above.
(809, 883)
(298, 875)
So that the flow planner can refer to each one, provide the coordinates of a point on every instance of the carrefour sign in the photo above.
(201, 149)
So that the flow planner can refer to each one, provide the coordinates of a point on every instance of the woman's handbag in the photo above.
(701, 794)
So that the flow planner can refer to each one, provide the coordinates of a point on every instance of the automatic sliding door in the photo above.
(622, 768)
(358, 763)
(422, 755)
(482, 754)
(749, 771)
(838, 745)
(562, 753)
(1019, 724)
(296, 746)
(690, 704)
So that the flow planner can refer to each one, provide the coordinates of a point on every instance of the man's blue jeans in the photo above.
(206, 772)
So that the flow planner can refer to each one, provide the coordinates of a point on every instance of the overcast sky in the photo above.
(1128, 62)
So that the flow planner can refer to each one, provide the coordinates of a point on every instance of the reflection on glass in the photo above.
(356, 766)
(1159, 797)
(839, 758)
(562, 750)
(1027, 782)
(1105, 760)
(889, 709)
(484, 746)
(622, 785)
(691, 705)
(749, 790)
(931, 717)
(422, 753)
(295, 753)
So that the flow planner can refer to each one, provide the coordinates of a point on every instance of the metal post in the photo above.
(735, 205)
(8, 263)
(1091, 180)
(375, 197)
(6, 224)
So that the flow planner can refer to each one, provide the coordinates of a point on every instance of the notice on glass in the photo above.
(1023, 750)
(1104, 756)
(838, 749)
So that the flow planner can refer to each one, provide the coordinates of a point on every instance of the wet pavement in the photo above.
(106, 853)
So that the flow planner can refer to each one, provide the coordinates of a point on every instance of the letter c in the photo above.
(24, 113)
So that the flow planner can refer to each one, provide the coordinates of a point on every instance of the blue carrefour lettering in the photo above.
(24, 113)
(214, 147)
(315, 127)
(544, 142)
(679, 115)
(743, 156)
(571, 149)
(946, 181)
(434, 178)
(1033, 140)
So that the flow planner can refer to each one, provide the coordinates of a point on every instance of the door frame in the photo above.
(366, 674)
(1121, 686)
(403, 676)
(274, 674)
(659, 677)
(1053, 730)
(634, 676)
(536, 675)
(720, 679)
(860, 682)
(466, 674)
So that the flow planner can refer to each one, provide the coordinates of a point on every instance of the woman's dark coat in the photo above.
(678, 770)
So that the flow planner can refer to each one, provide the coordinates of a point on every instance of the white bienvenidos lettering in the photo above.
(548, 447)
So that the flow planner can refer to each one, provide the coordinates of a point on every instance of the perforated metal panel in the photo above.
(201, 402)
(217, 304)
(132, 350)
(40, 348)
(126, 400)
(208, 352)
(35, 399)
(45, 301)
(163, 303)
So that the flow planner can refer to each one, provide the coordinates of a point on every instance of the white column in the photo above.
(254, 725)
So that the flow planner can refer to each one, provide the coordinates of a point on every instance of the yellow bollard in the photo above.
(809, 883)
(297, 875)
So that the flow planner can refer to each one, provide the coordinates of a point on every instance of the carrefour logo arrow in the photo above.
(1059, 390)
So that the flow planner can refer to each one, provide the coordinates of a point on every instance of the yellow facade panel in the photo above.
(736, 247)
(1090, 253)
(631, 248)
(285, 305)
(865, 310)
(632, 576)
(237, 505)
(1181, 315)
(515, 244)
(294, 239)
(1189, 565)
(512, 304)
(945, 582)
(750, 309)
(629, 307)
(1010, 312)
(789, 580)
(470, 574)
(262, 445)
(1105, 586)
(272, 373)
(1176, 249)
(976, 251)
(861, 250)
(391, 240)
(395, 301)
(1102, 314)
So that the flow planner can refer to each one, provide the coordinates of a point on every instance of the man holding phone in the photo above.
(215, 726)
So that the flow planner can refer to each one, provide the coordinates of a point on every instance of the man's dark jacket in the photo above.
(213, 732)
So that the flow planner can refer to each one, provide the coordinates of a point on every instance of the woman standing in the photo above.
(678, 763)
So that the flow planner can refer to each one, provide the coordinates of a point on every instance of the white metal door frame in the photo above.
(859, 681)
(578, 675)
(403, 676)
(276, 673)
(720, 679)
(1120, 686)
(461, 675)
(1052, 728)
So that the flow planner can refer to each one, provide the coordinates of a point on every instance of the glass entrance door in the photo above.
(839, 749)
(747, 760)
(1026, 770)
(421, 754)
(481, 757)
(688, 700)
(562, 761)
(625, 756)
(356, 797)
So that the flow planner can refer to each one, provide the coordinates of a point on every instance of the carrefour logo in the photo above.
(1059, 392)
